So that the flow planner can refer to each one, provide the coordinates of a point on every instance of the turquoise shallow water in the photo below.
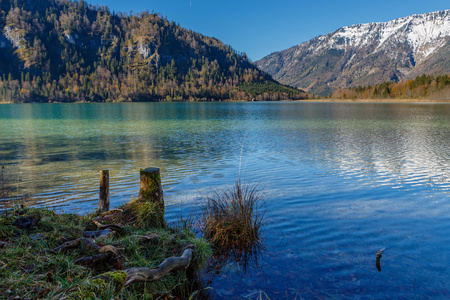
(341, 180)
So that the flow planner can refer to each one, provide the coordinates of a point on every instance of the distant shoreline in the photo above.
(379, 100)
(303, 100)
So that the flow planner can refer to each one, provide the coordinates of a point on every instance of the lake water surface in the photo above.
(341, 180)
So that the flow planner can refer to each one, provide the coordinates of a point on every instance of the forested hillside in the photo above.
(424, 86)
(59, 50)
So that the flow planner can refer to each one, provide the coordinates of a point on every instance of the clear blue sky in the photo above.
(260, 27)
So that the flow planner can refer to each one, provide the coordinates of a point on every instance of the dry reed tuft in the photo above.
(233, 218)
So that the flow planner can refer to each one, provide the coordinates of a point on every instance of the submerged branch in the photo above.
(378, 262)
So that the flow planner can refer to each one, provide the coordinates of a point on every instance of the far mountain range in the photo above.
(366, 54)
(64, 50)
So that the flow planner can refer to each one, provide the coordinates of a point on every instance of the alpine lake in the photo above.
(340, 182)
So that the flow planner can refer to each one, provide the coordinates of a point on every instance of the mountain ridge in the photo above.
(363, 54)
(64, 50)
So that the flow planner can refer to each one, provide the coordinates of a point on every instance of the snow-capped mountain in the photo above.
(366, 54)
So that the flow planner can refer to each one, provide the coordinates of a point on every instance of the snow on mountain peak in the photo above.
(365, 54)
(423, 33)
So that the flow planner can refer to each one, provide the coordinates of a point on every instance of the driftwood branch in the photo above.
(118, 228)
(77, 243)
(154, 237)
(147, 238)
(99, 234)
(106, 253)
(95, 259)
(135, 275)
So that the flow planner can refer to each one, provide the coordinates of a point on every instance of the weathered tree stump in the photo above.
(151, 189)
(103, 203)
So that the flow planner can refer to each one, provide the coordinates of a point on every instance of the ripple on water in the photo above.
(340, 181)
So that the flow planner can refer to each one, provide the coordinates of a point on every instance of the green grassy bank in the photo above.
(44, 255)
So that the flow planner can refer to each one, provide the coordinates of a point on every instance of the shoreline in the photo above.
(410, 100)
(379, 100)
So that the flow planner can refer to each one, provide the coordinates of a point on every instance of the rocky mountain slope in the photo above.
(366, 54)
(64, 50)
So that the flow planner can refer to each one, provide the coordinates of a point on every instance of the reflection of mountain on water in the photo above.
(397, 152)
(381, 142)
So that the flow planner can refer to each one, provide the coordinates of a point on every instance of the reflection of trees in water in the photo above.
(45, 157)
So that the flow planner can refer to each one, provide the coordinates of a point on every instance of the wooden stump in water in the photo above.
(103, 203)
(151, 189)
